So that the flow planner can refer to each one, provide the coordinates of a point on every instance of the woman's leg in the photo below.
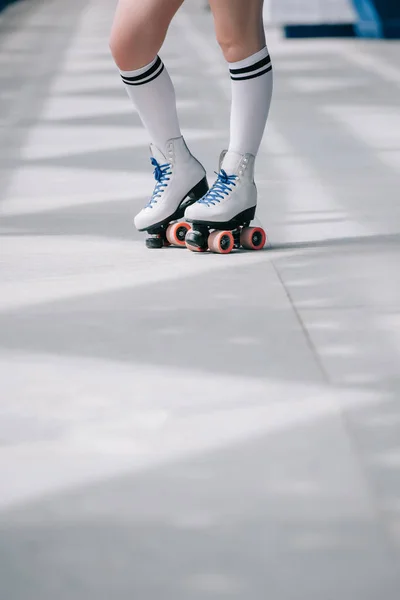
(240, 33)
(138, 32)
(232, 200)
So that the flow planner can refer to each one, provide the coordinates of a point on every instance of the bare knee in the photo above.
(238, 47)
(139, 30)
(232, 49)
(131, 49)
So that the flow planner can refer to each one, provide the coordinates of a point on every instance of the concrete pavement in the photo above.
(183, 426)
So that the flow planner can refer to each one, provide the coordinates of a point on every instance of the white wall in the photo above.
(309, 11)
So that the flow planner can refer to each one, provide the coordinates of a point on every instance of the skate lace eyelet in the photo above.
(161, 175)
(222, 187)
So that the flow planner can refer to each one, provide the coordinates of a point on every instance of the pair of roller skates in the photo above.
(217, 219)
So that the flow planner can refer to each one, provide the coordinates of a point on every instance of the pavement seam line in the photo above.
(304, 329)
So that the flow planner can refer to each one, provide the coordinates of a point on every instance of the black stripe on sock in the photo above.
(253, 76)
(146, 81)
(147, 73)
(261, 63)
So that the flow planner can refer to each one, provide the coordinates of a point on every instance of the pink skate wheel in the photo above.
(221, 242)
(253, 238)
(176, 233)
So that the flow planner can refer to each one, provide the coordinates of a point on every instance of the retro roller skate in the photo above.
(221, 219)
(180, 181)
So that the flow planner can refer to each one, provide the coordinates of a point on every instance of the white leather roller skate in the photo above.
(221, 219)
(181, 180)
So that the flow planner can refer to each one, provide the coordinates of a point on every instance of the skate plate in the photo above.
(222, 238)
(173, 234)
(172, 230)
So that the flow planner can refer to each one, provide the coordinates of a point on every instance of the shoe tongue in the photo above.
(231, 163)
(157, 154)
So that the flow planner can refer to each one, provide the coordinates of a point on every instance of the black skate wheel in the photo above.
(154, 242)
(196, 241)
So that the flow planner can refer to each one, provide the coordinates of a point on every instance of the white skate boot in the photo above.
(181, 180)
(227, 209)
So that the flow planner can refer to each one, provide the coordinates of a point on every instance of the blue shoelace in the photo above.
(222, 187)
(161, 173)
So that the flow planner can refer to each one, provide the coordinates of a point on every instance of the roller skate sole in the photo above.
(223, 237)
(172, 230)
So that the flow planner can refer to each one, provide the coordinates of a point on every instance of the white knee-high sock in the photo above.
(152, 93)
(252, 84)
